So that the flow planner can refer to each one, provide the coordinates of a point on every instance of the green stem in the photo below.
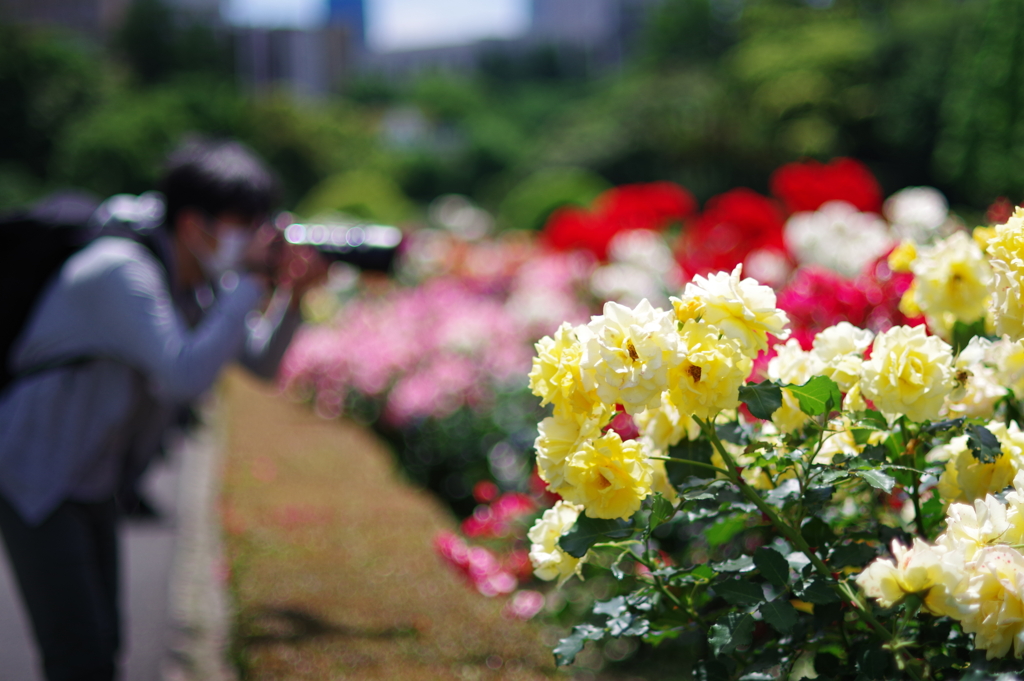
(698, 464)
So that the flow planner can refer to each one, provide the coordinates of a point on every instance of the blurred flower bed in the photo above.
(436, 360)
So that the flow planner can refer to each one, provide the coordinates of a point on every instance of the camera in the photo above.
(366, 246)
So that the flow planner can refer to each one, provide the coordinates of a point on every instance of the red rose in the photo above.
(804, 186)
(733, 225)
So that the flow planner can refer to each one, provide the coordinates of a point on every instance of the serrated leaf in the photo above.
(730, 632)
(780, 614)
(948, 424)
(788, 490)
(817, 533)
(853, 555)
(820, 395)
(611, 608)
(589, 531)
(871, 419)
(661, 511)
(699, 450)
(571, 645)
(735, 432)
(739, 592)
(983, 444)
(741, 564)
(762, 399)
(818, 592)
(877, 479)
(773, 566)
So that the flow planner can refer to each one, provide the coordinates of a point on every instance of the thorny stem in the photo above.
(843, 588)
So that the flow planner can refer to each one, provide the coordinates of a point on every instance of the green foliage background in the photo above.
(715, 95)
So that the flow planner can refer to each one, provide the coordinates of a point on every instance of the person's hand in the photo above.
(262, 254)
(300, 268)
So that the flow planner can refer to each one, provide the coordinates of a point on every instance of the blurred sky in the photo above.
(398, 24)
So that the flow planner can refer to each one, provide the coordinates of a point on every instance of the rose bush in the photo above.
(857, 514)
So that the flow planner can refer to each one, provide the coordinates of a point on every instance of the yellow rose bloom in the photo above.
(608, 477)
(965, 478)
(951, 283)
(558, 439)
(743, 310)
(909, 373)
(714, 367)
(902, 256)
(666, 425)
(992, 605)
(1006, 252)
(548, 559)
(930, 571)
(1008, 357)
(627, 355)
(555, 375)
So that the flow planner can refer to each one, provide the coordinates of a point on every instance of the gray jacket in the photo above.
(75, 432)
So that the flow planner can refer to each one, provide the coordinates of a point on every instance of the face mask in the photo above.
(227, 256)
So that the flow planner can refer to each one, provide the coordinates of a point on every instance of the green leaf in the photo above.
(963, 333)
(877, 479)
(661, 511)
(874, 663)
(818, 592)
(691, 450)
(735, 432)
(773, 566)
(724, 530)
(851, 555)
(871, 419)
(780, 614)
(571, 645)
(741, 564)
(611, 608)
(739, 592)
(820, 395)
(589, 531)
(730, 632)
(817, 533)
(762, 399)
(983, 444)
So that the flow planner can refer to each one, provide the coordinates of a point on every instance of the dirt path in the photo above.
(331, 561)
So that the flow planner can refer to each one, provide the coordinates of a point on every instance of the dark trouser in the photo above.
(67, 572)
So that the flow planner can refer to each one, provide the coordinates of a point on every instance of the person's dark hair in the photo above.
(216, 177)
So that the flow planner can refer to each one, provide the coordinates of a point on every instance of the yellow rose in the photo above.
(608, 477)
(555, 375)
(557, 440)
(909, 373)
(965, 478)
(743, 310)
(929, 571)
(839, 350)
(951, 283)
(548, 559)
(979, 387)
(992, 605)
(1006, 252)
(666, 425)
(1008, 357)
(902, 256)
(714, 367)
(627, 355)
(971, 527)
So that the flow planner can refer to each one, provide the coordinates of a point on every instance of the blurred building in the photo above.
(305, 62)
(590, 36)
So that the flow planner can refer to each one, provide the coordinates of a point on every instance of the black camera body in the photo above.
(368, 247)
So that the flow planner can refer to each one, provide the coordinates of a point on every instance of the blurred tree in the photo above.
(685, 32)
(804, 75)
(47, 84)
(980, 141)
(158, 43)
